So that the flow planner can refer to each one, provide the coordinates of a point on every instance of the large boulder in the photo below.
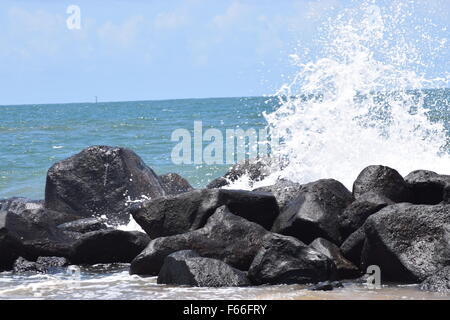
(173, 183)
(225, 236)
(255, 169)
(438, 282)
(352, 247)
(189, 268)
(384, 181)
(166, 216)
(408, 242)
(284, 191)
(315, 212)
(37, 237)
(286, 260)
(108, 246)
(428, 187)
(345, 269)
(99, 181)
(354, 216)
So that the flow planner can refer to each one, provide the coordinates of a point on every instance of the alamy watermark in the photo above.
(73, 22)
(215, 146)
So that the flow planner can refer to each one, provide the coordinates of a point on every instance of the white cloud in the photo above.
(124, 34)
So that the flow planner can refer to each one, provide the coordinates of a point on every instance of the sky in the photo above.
(160, 49)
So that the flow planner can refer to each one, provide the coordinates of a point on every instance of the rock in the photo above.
(36, 235)
(10, 249)
(352, 247)
(284, 191)
(42, 265)
(99, 181)
(439, 282)
(225, 236)
(353, 217)
(326, 286)
(174, 184)
(171, 215)
(34, 211)
(286, 260)
(256, 170)
(428, 187)
(408, 242)
(383, 181)
(188, 268)
(108, 246)
(83, 225)
(345, 269)
(315, 212)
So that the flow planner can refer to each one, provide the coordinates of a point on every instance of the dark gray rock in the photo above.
(284, 191)
(384, 181)
(428, 187)
(408, 242)
(286, 260)
(108, 246)
(326, 286)
(98, 181)
(256, 170)
(225, 236)
(34, 211)
(173, 184)
(354, 216)
(42, 265)
(438, 282)
(188, 268)
(166, 216)
(352, 247)
(37, 236)
(345, 269)
(315, 212)
(83, 225)
(11, 248)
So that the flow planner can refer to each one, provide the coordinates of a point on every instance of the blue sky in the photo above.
(159, 49)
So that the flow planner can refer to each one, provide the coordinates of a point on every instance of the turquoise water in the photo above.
(33, 137)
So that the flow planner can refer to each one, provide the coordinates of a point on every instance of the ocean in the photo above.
(33, 137)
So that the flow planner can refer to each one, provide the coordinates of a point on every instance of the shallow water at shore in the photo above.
(114, 282)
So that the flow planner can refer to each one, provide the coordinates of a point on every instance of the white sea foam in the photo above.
(361, 110)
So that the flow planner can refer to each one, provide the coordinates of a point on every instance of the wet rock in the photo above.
(108, 246)
(438, 282)
(83, 225)
(384, 181)
(34, 211)
(354, 216)
(256, 169)
(173, 184)
(345, 269)
(286, 260)
(189, 211)
(326, 286)
(10, 248)
(225, 236)
(315, 212)
(284, 191)
(188, 268)
(42, 265)
(98, 181)
(37, 237)
(428, 187)
(408, 242)
(352, 247)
